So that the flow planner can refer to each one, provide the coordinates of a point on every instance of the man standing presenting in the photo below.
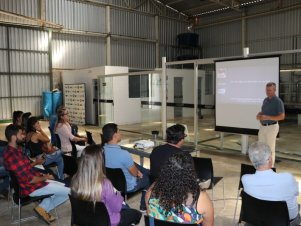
(272, 111)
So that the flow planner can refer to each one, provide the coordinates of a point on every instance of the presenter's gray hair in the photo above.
(269, 84)
(259, 154)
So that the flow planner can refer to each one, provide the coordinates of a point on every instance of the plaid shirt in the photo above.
(16, 161)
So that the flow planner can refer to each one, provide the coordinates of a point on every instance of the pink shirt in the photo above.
(64, 132)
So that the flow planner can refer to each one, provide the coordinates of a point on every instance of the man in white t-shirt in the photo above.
(265, 184)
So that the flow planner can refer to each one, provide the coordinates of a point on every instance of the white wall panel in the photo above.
(133, 54)
(76, 52)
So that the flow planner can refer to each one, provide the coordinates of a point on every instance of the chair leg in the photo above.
(19, 209)
(235, 208)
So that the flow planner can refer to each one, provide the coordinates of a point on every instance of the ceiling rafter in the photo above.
(231, 5)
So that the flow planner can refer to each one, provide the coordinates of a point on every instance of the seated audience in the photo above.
(175, 139)
(4, 176)
(39, 144)
(176, 195)
(136, 176)
(17, 118)
(31, 182)
(265, 184)
(25, 118)
(91, 184)
(63, 129)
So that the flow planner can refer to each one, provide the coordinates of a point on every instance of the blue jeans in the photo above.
(142, 183)
(56, 157)
(60, 195)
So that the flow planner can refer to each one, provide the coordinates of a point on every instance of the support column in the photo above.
(243, 31)
(157, 41)
(42, 9)
(244, 144)
(108, 38)
(195, 102)
(163, 98)
(50, 58)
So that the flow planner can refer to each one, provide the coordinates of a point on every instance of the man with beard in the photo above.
(31, 182)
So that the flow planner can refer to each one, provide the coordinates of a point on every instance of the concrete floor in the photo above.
(226, 163)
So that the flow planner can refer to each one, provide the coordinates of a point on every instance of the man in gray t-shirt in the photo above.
(272, 111)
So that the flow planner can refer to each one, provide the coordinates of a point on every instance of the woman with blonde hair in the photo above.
(90, 184)
(63, 129)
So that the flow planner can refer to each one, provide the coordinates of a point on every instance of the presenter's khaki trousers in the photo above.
(268, 134)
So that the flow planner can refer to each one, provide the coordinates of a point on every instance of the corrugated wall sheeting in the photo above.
(71, 51)
(26, 39)
(29, 62)
(24, 7)
(169, 29)
(5, 112)
(132, 24)
(4, 91)
(76, 15)
(275, 25)
(30, 104)
(133, 54)
(3, 40)
(3, 62)
(221, 40)
(29, 85)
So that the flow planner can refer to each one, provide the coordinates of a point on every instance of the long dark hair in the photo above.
(176, 180)
(30, 124)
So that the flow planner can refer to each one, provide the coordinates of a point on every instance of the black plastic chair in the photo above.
(262, 212)
(58, 141)
(90, 140)
(117, 178)
(204, 171)
(156, 222)
(244, 169)
(21, 200)
(88, 213)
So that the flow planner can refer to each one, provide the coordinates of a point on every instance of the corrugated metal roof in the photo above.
(202, 7)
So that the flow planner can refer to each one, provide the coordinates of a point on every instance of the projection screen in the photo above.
(240, 90)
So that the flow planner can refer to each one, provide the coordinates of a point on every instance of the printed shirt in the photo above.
(187, 214)
(16, 161)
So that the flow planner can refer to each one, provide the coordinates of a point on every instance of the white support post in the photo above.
(163, 100)
(244, 144)
(195, 101)
(108, 38)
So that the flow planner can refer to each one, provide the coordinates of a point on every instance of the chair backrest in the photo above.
(204, 169)
(53, 136)
(148, 219)
(247, 169)
(262, 212)
(117, 178)
(58, 141)
(89, 138)
(86, 213)
(14, 184)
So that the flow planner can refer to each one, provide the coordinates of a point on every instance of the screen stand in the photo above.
(244, 144)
